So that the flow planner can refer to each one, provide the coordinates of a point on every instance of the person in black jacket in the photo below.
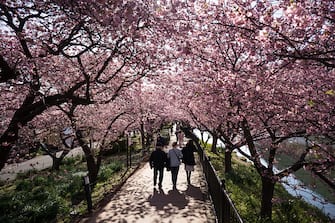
(160, 141)
(158, 160)
(188, 159)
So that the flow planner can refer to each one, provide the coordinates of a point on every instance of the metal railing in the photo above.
(223, 205)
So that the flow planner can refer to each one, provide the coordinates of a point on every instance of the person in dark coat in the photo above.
(160, 141)
(188, 159)
(158, 160)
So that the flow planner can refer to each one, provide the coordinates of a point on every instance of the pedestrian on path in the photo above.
(159, 141)
(158, 160)
(181, 138)
(188, 159)
(175, 155)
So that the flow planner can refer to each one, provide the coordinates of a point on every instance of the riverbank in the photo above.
(291, 185)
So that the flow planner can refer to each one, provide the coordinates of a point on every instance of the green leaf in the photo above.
(311, 103)
(330, 92)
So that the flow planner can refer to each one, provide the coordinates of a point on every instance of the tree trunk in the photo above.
(268, 186)
(92, 167)
(27, 112)
(148, 141)
(52, 152)
(56, 162)
(142, 138)
(7, 142)
(227, 160)
(4, 153)
(215, 141)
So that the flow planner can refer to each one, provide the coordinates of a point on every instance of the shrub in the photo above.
(40, 180)
(37, 206)
(24, 185)
(107, 171)
(43, 207)
(70, 161)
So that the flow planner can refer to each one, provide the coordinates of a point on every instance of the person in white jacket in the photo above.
(175, 155)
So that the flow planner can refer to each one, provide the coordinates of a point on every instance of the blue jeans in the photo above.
(174, 174)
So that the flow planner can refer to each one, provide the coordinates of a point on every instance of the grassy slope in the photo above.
(244, 187)
(43, 196)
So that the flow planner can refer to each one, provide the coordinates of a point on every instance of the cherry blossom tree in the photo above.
(26, 61)
(263, 79)
(259, 78)
(253, 73)
(57, 53)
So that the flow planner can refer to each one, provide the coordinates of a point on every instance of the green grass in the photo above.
(44, 196)
(244, 188)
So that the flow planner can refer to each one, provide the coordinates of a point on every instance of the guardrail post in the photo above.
(87, 188)
(226, 206)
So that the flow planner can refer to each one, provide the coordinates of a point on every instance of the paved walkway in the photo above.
(138, 201)
(10, 171)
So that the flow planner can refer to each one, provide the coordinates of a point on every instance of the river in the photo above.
(290, 183)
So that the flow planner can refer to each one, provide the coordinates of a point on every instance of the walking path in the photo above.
(138, 201)
(9, 172)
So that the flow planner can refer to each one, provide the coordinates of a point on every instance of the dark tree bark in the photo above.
(268, 186)
(148, 141)
(227, 159)
(142, 137)
(215, 141)
(7, 142)
(56, 161)
(28, 111)
(33, 105)
(92, 166)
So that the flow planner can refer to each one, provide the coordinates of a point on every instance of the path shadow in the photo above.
(177, 199)
(160, 200)
(195, 192)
